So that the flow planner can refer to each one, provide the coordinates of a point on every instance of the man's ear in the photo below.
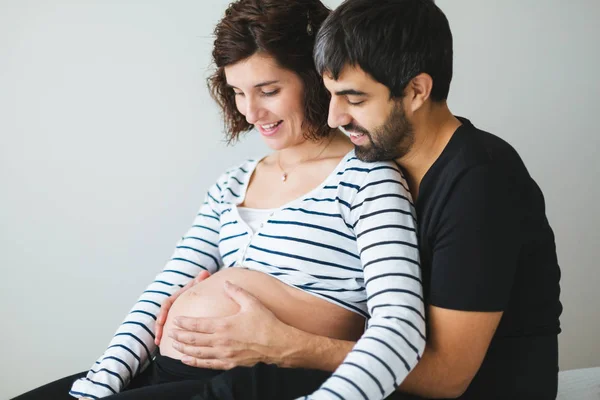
(419, 90)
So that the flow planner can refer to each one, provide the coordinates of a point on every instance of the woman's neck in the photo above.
(336, 144)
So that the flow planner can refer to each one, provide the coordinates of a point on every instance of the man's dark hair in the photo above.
(391, 40)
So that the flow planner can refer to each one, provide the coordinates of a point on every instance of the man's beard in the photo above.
(392, 140)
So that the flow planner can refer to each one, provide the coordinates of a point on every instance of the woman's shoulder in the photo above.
(379, 183)
(232, 183)
(240, 171)
(354, 168)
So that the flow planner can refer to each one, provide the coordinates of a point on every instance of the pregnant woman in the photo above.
(322, 239)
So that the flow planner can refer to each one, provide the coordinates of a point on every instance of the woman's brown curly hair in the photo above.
(278, 28)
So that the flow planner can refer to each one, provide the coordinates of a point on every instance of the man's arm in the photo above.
(456, 347)
(315, 352)
(252, 335)
(475, 252)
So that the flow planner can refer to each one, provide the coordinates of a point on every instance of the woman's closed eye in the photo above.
(270, 93)
(262, 93)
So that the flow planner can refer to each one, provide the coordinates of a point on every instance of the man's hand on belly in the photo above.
(252, 335)
(166, 306)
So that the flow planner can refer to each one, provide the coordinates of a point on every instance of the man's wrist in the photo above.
(306, 350)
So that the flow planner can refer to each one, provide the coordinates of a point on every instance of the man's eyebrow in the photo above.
(351, 92)
(266, 83)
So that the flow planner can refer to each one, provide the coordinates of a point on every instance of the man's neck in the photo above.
(433, 129)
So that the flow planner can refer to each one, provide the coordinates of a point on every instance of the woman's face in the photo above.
(271, 99)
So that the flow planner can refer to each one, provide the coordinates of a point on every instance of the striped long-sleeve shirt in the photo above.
(351, 241)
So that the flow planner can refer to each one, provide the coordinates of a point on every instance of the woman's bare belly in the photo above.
(292, 306)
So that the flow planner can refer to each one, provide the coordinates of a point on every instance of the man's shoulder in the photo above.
(471, 147)
(473, 162)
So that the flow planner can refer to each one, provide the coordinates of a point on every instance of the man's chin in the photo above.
(370, 154)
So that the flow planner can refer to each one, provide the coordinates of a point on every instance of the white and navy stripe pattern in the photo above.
(351, 241)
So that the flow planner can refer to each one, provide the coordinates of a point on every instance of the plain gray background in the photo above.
(109, 139)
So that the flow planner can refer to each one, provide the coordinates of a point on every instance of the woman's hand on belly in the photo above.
(166, 306)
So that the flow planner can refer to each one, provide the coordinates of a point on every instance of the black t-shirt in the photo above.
(486, 245)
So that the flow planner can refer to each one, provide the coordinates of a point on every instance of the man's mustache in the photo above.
(353, 128)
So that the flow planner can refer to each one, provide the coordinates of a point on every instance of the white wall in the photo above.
(108, 139)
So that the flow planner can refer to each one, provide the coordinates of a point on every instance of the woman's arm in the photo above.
(133, 345)
(385, 227)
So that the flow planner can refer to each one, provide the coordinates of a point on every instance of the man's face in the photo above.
(377, 124)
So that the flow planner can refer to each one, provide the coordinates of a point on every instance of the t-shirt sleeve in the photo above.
(476, 245)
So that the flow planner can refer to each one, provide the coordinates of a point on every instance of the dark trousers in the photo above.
(170, 379)
(59, 389)
(167, 378)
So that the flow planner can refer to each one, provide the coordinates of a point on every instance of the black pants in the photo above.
(170, 379)
(59, 389)
(166, 378)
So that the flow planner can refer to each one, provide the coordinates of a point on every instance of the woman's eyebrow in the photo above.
(266, 83)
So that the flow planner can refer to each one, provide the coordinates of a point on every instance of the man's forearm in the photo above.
(305, 350)
(432, 378)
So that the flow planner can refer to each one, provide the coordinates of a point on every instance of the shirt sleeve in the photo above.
(132, 346)
(384, 223)
(476, 245)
